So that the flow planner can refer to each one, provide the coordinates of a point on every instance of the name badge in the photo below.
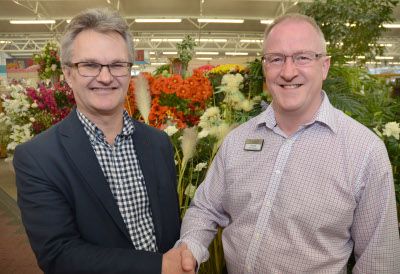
(253, 144)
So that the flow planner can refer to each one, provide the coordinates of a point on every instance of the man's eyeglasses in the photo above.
(90, 69)
(299, 59)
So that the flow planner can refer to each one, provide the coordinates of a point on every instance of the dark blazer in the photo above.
(70, 215)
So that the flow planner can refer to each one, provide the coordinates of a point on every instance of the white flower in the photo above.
(53, 67)
(200, 167)
(190, 190)
(392, 129)
(34, 105)
(171, 130)
(32, 119)
(246, 105)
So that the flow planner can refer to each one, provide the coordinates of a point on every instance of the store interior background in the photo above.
(217, 43)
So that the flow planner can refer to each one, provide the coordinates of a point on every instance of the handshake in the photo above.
(178, 260)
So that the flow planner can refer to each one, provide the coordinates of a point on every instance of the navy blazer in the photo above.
(69, 213)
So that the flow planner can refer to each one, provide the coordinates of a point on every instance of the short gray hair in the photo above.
(297, 17)
(98, 19)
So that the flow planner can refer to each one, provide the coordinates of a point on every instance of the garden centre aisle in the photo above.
(16, 256)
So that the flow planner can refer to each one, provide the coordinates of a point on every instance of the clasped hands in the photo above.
(178, 260)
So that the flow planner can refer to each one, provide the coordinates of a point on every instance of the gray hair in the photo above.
(297, 17)
(98, 19)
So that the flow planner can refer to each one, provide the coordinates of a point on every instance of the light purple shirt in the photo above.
(300, 204)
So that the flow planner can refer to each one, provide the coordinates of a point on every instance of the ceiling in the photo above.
(17, 39)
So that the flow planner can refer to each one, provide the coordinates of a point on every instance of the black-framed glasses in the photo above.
(299, 59)
(91, 69)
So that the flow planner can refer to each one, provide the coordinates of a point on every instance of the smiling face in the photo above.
(296, 90)
(103, 95)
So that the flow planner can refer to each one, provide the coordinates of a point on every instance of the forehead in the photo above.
(293, 35)
(94, 45)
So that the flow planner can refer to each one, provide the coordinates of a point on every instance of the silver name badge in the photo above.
(253, 144)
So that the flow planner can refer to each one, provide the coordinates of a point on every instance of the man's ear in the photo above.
(325, 67)
(67, 71)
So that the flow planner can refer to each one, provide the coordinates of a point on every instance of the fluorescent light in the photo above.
(266, 22)
(170, 52)
(236, 53)
(394, 63)
(136, 40)
(157, 64)
(391, 26)
(135, 66)
(212, 40)
(361, 57)
(384, 57)
(373, 63)
(152, 52)
(68, 21)
(158, 20)
(251, 41)
(166, 40)
(211, 20)
(207, 52)
(22, 54)
(204, 58)
(5, 42)
(32, 21)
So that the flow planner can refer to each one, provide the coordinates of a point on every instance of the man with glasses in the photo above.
(97, 191)
(300, 187)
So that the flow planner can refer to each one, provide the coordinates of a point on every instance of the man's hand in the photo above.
(178, 260)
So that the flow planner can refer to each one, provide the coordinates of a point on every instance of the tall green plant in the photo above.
(352, 27)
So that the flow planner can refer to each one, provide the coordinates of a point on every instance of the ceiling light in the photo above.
(212, 40)
(266, 22)
(26, 54)
(361, 57)
(170, 52)
(204, 58)
(158, 20)
(68, 21)
(384, 57)
(207, 53)
(236, 53)
(157, 64)
(166, 40)
(152, 52)
(391, 26)
(210, 20)
(32, 21)
(394, 63)
(5, 42)
(251, 40)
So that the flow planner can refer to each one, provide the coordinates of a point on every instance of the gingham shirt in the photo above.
(300, 204)
(122, 171)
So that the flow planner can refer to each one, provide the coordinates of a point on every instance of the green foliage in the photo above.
(161, 70)
(49, 62)
(255, 78)
(351, 27)
(367, 99)
(186, 49)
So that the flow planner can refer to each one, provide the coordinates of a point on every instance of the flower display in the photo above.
(49, 62)
(175, 100)
(29, 111)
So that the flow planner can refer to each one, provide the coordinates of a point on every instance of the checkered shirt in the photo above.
(122, 171)
(302, 203)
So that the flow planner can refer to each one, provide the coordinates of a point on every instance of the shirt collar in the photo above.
(325, 115)
(91, 128)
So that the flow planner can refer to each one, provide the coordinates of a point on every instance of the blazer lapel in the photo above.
(78, 148)
(145, 153)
